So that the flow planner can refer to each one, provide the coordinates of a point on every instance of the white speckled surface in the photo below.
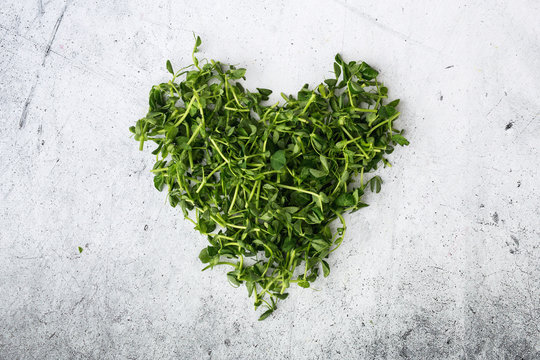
(444, 264)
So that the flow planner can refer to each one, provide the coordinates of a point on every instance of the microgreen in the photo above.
(264, 182)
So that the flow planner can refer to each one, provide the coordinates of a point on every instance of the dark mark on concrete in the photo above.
(78, 302)
(519, 183)
(404, 352)
(384, 27)
(55, 30)
(41, 8)
(495, 217)
(514, 247)
(441, 98)
(497, 104)
(145, 227)
(509, 126)
(406, 334)
(515, 239)
(449, 67)
(8, 192)
(138, 172)
(24, 114)
(227, 342)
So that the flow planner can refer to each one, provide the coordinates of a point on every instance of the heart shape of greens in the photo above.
(264, 182)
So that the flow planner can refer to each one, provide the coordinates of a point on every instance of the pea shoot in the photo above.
(264, 182)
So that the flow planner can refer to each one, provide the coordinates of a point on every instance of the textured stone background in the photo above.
(444, 264)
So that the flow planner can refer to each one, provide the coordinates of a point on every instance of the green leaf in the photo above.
(281, 296)
(250, 287)
(238, 73)
(80, 249)
(375, 184)
(291, 209)
(345, 200)
(172, 132)
(356, 88)
(205, 226)
(317, 173)
(324, 163)
(399, 139)
(387, 111)
(341, 144)
(233, 280)
(264, 92)
(326, 268)
(313, 218)
(344, 177)
(367, 71)
(266, 314)
(267, 216)
(278, 160)
(205, 256)
(337, 70)
(169, 67)
(320, 245)
(393, 103)
(331, 82)
(303, 283)
(313, 276)
(159, 182)
(346, 72)
(289, 244)
(360, 205)
(324, 198)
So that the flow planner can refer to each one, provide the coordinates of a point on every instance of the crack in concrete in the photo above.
(385, 27)
(24, 114)
(53, 36)
(41, 8)
(493, 108)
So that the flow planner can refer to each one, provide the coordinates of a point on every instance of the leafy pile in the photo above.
(266, 181)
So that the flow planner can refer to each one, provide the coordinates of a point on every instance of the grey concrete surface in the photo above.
(444, 264)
